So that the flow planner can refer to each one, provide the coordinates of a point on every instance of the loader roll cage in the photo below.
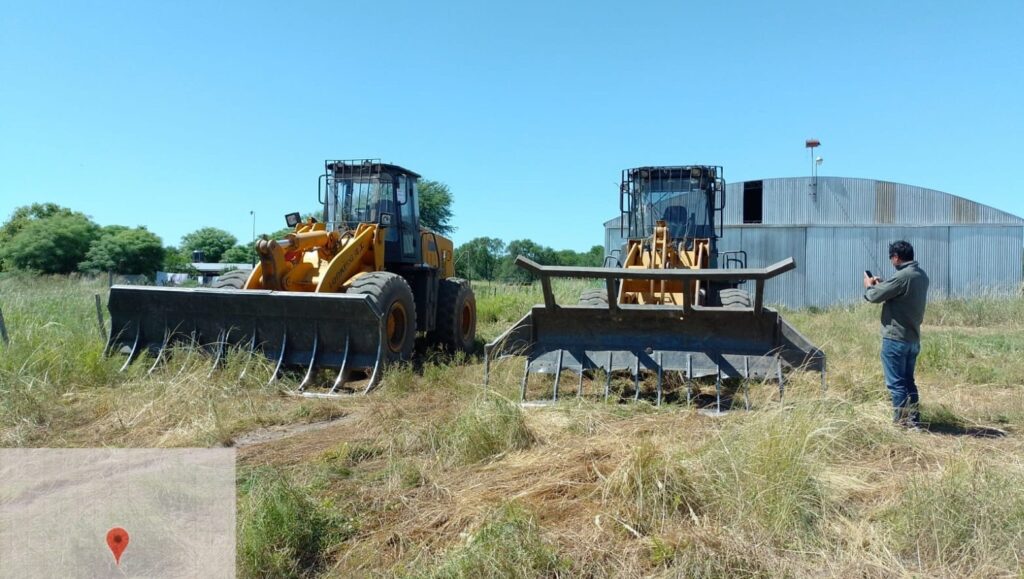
(685, 197)
(368, 191)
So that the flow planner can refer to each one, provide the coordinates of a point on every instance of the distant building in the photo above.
(208, 273)
(843, 226)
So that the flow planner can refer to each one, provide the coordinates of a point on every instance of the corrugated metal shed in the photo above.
(845, 227)
(852, 201)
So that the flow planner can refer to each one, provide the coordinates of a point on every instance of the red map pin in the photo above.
(117, 540)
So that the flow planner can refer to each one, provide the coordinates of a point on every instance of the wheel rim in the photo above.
(466, 322)
(396, 327)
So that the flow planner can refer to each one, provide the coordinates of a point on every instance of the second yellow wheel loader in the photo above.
(348, 293)
(672, 304)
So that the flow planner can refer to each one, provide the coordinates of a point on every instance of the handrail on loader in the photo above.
(610, 275)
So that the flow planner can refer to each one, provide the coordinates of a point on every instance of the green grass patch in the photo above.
(971, 516)
(283, 530)
(485, 429)
(509, 544)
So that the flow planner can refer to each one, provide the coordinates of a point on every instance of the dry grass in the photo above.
(433, 477)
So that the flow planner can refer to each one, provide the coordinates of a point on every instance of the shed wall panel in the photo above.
(733, 213)
(768, 245)
(836, 260)
(931, 250)
(985, 260)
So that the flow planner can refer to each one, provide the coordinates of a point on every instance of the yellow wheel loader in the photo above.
(671, 303)
(348, 293)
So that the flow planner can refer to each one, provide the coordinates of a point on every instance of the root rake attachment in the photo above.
(308, 331)
(689, 340)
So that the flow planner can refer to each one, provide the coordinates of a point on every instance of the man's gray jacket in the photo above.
(904, 295)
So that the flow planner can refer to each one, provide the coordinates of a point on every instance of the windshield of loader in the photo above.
(358, 200)
(678, 200)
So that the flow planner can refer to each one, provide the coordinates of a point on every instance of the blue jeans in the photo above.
(898, 361)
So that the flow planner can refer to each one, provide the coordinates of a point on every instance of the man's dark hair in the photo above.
(902, 250)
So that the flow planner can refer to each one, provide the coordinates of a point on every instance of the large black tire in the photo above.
(594, 297)
(391, 293)
(734, 299)
(234, 279)
(456, 316)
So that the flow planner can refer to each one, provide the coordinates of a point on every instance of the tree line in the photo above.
(487, 258)
(51, 239)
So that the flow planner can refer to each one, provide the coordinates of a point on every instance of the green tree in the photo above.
(593, 258)
(125, 250)
(175, 261)
(529, 249)
(55, 244)
(435, 206)
(479, 258)
(211, 241)
(242, 253)
(26, 214)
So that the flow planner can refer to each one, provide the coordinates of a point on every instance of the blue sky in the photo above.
(178, 115)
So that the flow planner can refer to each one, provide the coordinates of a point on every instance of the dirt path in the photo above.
(295, 443)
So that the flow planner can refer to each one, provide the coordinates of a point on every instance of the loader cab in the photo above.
(688, 198)
(368, 191)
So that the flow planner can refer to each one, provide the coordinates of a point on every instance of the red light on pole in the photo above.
(811, 143)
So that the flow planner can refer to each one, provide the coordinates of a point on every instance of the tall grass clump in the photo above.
(768, 474)
(54, 334)
(499, 305)
(981, 312)
(284, 531)
(486, 428)
(647, 488)
(509, 544)
(970, 517)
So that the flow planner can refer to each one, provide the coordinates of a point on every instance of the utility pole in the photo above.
(812, 144)
(252, 246)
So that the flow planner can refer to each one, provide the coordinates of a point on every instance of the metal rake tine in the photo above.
(746, 382)
(689, 379)
(312, 359)
(660, 373)
(636, 378)
(341, 371)
(718, 387)
(280, 359)
(252, 350)
(782, 383)
(160, 352)
(222, 339)
(377, 365)
(558, 375)
(193, 340)
(824, 384)
(526, 377)
(135, 347)
(608, 378)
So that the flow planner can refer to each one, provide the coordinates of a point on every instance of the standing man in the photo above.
(903, 301)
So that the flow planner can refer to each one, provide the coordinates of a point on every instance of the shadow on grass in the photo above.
(942, 420)
(963, 430)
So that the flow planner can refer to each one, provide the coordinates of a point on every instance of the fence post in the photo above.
(3, 329)
(99, 318)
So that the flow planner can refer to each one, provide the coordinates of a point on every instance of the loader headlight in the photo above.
(385, 219)
(293, 219)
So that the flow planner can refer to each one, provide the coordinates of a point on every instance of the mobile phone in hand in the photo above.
(868, 273)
